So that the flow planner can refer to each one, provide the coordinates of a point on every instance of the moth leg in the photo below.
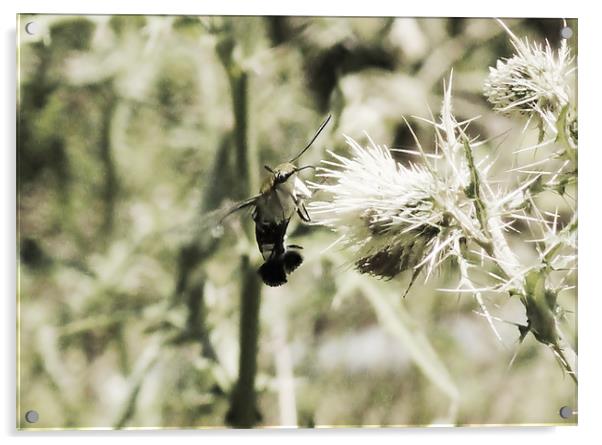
(302, 212)
(301, 209)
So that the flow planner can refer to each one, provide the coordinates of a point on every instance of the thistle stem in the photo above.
(498, 249)
(239, 83)
(243, 412)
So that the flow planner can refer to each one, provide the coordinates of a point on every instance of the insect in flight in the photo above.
(281, 196)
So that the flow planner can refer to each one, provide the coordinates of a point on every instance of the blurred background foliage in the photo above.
(129, 290)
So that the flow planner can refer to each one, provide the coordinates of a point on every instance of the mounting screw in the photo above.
(566, 32)
(31, 28)
(32, 416)
(566, 412)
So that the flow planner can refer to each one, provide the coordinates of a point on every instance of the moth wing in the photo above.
(213, 221)
(239, 206)
(205, 226)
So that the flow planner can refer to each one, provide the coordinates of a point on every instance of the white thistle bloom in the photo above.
(396, 217)
(392, 217)
(532, 81)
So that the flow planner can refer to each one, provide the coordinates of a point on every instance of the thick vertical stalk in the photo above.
(243, 411)
(239, 83)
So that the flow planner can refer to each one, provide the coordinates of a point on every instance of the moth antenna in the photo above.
(305, 167)
(312, 139)
(268, 168)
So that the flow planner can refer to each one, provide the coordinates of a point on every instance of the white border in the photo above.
(590, 310)
(508, 8)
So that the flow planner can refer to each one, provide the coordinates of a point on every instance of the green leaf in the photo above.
(541, 318)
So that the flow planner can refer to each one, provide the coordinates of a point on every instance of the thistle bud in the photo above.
(532, 81)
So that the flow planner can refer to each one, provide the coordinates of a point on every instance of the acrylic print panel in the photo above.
(414, 266)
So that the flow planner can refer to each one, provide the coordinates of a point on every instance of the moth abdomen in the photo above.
(273, 272)
(291, 260)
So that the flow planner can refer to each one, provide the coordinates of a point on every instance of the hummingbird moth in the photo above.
(281, 195)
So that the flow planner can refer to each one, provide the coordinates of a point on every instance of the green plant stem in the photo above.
(498, 249)
(239, 83)
(495, 244)
(570, 151)
(243, 411)
(111, 185)
(567, 357)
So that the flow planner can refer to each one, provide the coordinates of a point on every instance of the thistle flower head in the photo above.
(396, 217)
(533, 80)
(391, 216)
